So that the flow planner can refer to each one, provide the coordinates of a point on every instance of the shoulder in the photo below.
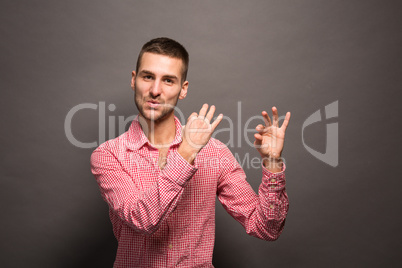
(113, 146)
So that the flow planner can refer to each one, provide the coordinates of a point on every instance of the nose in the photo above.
(156, 88)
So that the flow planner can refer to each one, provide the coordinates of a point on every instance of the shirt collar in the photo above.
(136, 137)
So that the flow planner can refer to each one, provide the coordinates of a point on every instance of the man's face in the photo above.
(158, 85)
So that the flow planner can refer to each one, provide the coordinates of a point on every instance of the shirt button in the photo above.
(273, 186)
(273, 180)
(271, 206)
(170, 246)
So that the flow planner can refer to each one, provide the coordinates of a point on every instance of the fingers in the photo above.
(258, 140)
(258, 137)
(210, 113)
(267, 120)
(275, 116)
(203, 110)
(217, 121)
(261, 129)
(192, 117)
(286, 121)
(275, 119)
(207, 116)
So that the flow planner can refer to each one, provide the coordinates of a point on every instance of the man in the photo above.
(160, 179)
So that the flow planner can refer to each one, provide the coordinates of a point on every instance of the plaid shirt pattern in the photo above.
(166, 218)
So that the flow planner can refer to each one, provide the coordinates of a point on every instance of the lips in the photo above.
(153, 103)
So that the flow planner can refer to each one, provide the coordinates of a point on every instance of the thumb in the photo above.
(258, 140)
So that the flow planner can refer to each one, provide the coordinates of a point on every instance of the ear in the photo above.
(133, 75)
(183, 91)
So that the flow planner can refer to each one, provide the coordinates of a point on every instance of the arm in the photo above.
(142, 210)
(263, 215)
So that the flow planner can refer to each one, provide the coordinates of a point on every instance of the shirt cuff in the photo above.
(177, 169)
(274, 181)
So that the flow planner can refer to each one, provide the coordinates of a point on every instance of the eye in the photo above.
(147, 77)
(169, 81)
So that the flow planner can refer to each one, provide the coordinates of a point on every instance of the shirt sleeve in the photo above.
(142, 210)
(261, 215)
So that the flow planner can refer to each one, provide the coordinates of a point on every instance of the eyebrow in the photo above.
(146, 72)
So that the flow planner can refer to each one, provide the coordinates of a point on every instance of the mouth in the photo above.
(153, 103)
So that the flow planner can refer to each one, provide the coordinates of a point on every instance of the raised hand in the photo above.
(270, 138)
(198, 131)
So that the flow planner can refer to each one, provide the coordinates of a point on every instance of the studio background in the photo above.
(297, 55)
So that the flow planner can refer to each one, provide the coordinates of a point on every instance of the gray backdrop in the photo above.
(248, 55)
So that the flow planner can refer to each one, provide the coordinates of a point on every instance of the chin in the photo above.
(158, 114)
(157, 117)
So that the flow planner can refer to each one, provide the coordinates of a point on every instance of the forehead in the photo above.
(161, 64)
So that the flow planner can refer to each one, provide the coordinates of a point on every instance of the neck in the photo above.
(159, 133)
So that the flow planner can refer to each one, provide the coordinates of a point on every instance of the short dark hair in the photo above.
(168, 47)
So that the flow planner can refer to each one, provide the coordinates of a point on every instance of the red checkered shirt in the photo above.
(166, 218)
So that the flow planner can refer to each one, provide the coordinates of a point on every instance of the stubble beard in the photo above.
(167, 109)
